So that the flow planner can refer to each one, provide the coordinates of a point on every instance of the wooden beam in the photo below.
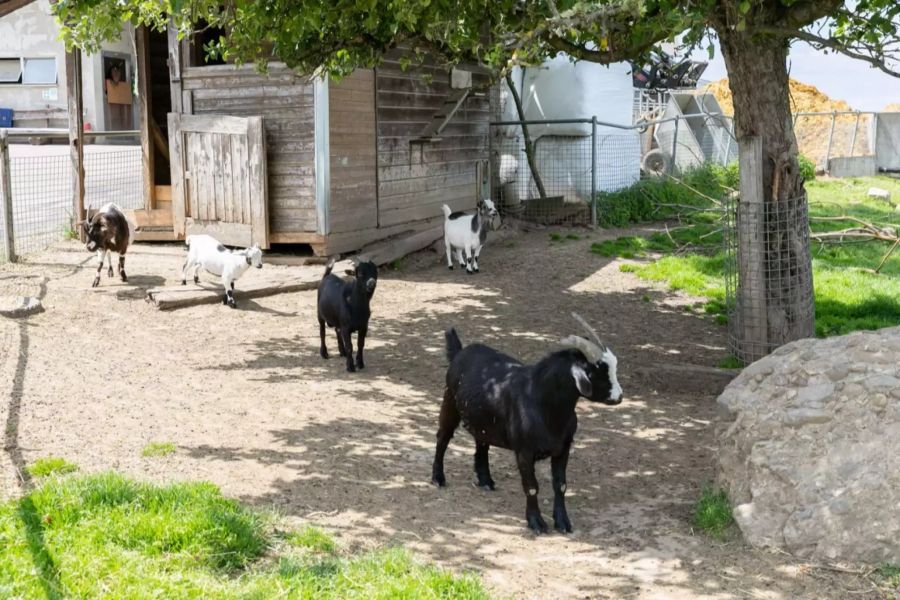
(175, 65)
(10, 5)
(74, 102)
(142, 47)
(9, 242)
(283, 280)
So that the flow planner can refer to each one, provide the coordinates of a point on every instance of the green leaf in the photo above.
(745, 7)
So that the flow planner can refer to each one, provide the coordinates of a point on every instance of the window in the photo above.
(39, 70)
(28, 71)
(10, 70)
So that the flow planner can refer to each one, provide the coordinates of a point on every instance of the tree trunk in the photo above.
(773, 255)
(529, 147)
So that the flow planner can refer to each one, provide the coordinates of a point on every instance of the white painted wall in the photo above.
(31, 32)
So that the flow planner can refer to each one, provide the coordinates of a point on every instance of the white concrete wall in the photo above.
(31, 32)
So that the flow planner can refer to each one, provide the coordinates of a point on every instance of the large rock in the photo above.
(809, 448)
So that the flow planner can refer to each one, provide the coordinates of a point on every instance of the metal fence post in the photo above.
(830, 140)
(594, 172)
(853, 137)
(9, 242)
(675, 144)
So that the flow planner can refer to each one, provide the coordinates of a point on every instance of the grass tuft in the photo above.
(312, 538)
(51, 465)
(104, 535)
(889, 575)
(158, 449)
(731, 362)
(713, 512)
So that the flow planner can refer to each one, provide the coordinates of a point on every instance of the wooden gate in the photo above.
(219, 178)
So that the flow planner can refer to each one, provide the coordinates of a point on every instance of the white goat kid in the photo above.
(467, 233)
(205, 251)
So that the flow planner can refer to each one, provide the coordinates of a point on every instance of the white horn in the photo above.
(590, 330)
(590, 350)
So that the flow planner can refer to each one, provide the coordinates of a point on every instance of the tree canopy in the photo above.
(336, 36)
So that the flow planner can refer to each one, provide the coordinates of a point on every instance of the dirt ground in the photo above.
(252, 407)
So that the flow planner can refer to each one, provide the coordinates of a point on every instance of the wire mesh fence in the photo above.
(768, 284)
(823, 136)
(575, 160)
(41, 185)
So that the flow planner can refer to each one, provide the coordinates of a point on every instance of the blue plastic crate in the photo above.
(6, 115)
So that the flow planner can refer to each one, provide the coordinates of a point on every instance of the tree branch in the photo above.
(820, 43)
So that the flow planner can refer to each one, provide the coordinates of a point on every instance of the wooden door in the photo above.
(219, 178)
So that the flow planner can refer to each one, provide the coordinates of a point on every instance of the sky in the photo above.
(840, 77)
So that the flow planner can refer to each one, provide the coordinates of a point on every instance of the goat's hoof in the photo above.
(476, 270)
(124, 277)
(351, 368)
(183, 282)
(196, 280)
(109, 272)
(486, 487)
(232, 304)
(537, 524)
(96, 281)
(470, 272)
(360, 365)
(323, 353)
(561, 521)
(439, 480)
(450, 267)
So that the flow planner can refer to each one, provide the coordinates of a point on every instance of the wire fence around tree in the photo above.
(41, 187)
(768, 286)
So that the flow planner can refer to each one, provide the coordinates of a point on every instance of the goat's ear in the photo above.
(350, 272)
(582, 381)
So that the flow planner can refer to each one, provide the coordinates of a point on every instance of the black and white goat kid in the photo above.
(467, 233)
(205, 251)
(345, 307)
(106, 231)
(529, 409)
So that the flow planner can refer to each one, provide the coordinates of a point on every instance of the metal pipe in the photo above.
(594, 172)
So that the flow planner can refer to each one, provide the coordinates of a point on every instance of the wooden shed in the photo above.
(279, 158)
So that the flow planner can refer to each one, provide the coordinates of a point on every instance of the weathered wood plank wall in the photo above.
(285, 101)
(351, 117)
(415, 179)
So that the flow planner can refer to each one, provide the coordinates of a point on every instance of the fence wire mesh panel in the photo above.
(41, 200)
(821, 137)
(571, 168)
(768, 288)
(113, 174)
(41, 179)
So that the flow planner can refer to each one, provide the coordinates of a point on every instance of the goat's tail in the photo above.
(454, 346)
(328, 268)
(446, 210)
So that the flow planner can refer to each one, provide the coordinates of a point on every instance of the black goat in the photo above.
(344, 305)
(106, 231)
(527, 409)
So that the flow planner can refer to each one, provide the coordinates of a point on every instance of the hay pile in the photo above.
(812, 131)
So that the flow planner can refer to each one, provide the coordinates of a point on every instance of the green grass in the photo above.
(730, 362)
(848, 295)
(103, 535)
(889, 575)
(50, 465)
(158, 449)
(555, 237)
(713, 512)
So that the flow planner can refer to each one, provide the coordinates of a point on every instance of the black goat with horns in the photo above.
(529, 409)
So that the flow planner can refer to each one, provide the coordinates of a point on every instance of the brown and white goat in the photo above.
(106, 231)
